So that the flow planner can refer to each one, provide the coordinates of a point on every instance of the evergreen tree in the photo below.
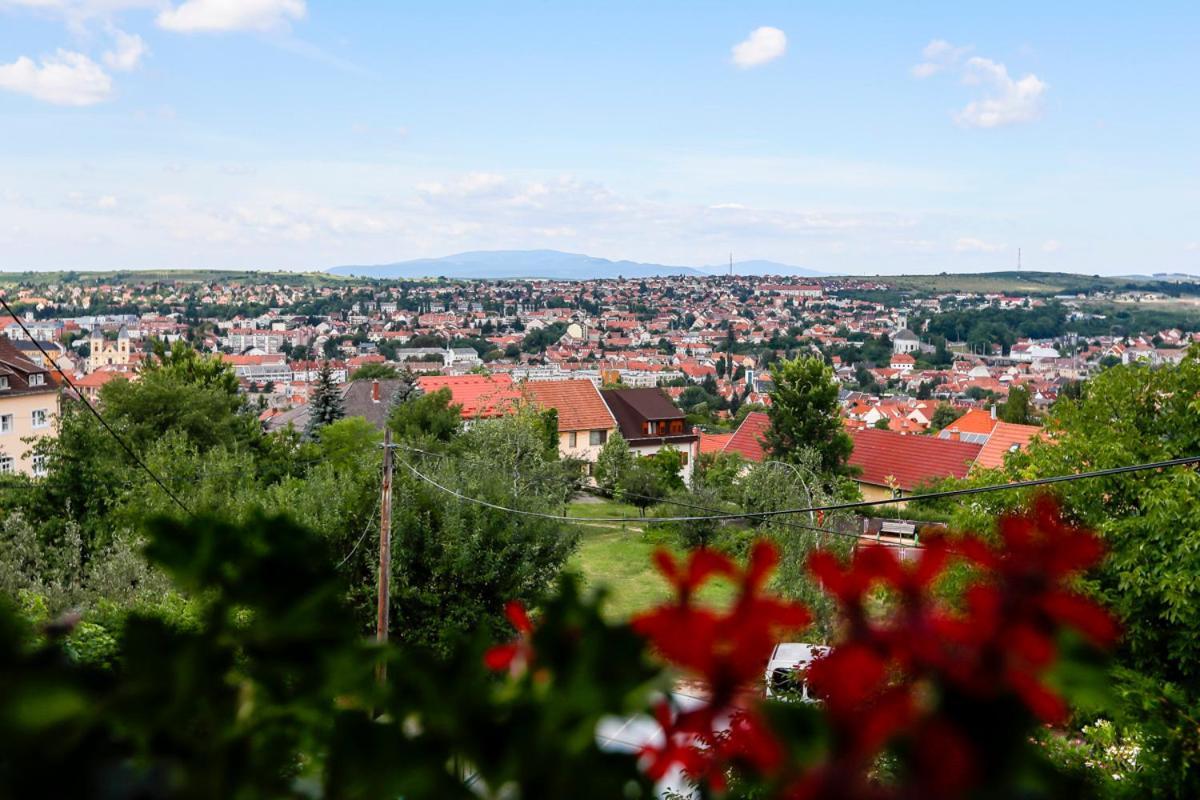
(326, 404)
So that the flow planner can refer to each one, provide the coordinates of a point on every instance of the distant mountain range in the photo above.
(551, 264)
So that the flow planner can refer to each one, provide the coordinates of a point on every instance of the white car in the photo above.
(784, 678)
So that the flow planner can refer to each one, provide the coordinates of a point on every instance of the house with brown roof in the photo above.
(584, 420)
(649, 421)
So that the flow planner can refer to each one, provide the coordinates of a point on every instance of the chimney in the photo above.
(954, 437)
(375, 390)
(993, 410)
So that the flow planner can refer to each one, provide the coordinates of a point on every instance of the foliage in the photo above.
(1016, 408)
(379, 372)
(944, 415)
(426, 418)
(1151, 525)
(612, 463)
(273, 691)
(804, 412)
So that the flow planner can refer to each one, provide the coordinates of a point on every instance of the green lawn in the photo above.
(619, 560)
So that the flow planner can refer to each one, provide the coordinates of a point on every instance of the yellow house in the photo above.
(28, 410)
(584, 421)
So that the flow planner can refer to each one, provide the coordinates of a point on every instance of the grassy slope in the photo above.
(619, 559)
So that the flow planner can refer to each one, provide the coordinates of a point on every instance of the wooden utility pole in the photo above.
(385, 542)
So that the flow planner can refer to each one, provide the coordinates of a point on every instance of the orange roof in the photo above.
(578, 403)
(748, 438)
(94, 380)
(1007, 437)
(974, 421)
(714, 442)
(479, 395)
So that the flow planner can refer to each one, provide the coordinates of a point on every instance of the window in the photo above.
(6, 423)
(39, 418)
(647, 428)
(571, 439)
(7, 465)
(676, 426)
(39, 465)
(3, 381)
(683, 459)
(37, 379)
(597, 437)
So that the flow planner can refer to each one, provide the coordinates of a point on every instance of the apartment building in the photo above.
(28, 409)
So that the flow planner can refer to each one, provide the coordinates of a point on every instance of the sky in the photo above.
(860, 138)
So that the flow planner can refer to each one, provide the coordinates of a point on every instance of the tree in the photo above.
(614, 461)
(325, 406)
(804, 412)
(943, 415)
(882, 424)
(381, 372)
(642, 485)
(1016, 408)
(426, 418)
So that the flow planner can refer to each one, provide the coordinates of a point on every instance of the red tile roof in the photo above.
(748, 438)
(479, 395)
(1005, 438)
(578, 403)
(907, 462)
(714, 442)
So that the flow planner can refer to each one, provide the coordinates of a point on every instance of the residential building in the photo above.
(28, 409)
(895, 464)
(584, 420)
(650, 422)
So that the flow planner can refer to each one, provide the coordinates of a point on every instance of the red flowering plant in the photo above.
(922, 696)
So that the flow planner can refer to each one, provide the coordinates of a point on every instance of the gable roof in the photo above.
(632, 407)
(481, 396)
(578, 403)
(748, 438)
(714, 442)
(885, 458)
(1005, 438)
(975, 421)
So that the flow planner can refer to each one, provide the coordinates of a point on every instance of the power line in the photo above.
(789, 523)
(124, 446)
(830, 507)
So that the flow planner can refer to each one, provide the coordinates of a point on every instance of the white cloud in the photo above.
(764, 44)
(127, 51)
(1006, 101)
(1051, 246)
(65, 79)
(969, 244)
(231, 15)
(1010, 100)
(106, 202)
(939, 55)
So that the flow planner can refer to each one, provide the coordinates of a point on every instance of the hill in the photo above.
(515, 264)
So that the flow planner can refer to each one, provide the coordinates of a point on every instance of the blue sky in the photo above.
(862, 138)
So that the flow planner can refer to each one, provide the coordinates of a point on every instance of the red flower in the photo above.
(518, 653)
(728, 651)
